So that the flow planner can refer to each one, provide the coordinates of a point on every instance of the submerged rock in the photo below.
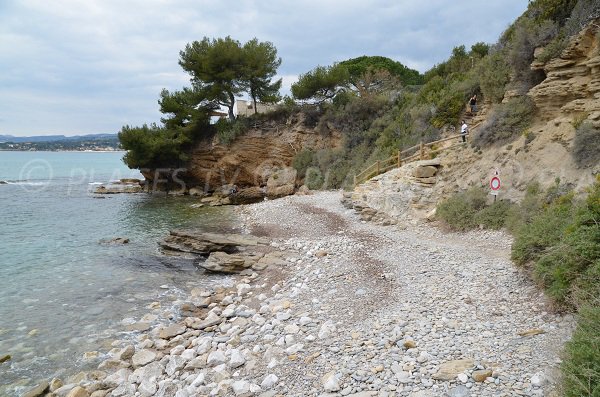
(38, 390)
(116, 240)
(118, 188)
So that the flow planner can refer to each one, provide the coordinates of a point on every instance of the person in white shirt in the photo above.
(464, 131)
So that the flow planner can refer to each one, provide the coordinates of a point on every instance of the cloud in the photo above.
(72, 66)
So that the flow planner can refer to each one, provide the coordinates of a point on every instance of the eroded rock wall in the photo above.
(255, 156)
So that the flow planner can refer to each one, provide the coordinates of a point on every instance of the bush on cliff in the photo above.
(228, 131)
(586, 146)
(506, 123)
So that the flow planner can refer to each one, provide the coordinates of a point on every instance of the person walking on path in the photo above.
(464, 131)
(473, 103)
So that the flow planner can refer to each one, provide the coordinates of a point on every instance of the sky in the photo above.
(91, 66)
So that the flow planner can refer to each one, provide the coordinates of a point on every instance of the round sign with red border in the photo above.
(495, 183)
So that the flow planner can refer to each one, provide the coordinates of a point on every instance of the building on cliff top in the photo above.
(246, 108)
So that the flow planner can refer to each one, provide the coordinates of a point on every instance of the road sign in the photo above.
(495, 184)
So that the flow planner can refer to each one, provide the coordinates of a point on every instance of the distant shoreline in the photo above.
(63, 151)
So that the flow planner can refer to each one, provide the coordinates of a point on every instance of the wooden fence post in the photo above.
(399, 159)
(378, 167)
(422, 151)
(354, 180)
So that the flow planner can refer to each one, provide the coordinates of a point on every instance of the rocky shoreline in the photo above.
(344, 307)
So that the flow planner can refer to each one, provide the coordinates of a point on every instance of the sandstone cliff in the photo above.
(253, 157)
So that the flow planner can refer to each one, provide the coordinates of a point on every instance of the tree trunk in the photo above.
(230, 107)
(254, 101)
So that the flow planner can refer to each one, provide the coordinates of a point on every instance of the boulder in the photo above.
(282, 177)
(280, 191)
(282, 182)
(196, 191)
(249, 195)
(78, 391)
(143, 357)
(222, 262)
(303, 191)
(424, 171)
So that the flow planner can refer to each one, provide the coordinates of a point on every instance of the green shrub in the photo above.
(302, 161)
(586, 146)
(228, 131)
(460, 211)
(528, 208)
(494, 216)
(527, 36)
(581, 363)
(507, 122)
(529, 137)
(314, 179)
(494, 75)
(544, 231)
(554, 48)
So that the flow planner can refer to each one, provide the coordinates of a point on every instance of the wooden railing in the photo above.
(421, 152)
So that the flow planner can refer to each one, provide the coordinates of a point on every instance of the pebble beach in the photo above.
(351, 308)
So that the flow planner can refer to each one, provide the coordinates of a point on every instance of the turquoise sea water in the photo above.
(63, 292)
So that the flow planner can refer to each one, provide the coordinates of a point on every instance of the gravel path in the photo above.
(451, 296)
(346, 308)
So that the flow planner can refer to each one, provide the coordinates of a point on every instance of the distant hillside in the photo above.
(95, 142)
(52, 138)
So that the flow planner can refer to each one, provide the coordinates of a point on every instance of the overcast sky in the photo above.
(90, 66)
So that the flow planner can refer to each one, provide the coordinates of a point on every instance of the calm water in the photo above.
(62, 292)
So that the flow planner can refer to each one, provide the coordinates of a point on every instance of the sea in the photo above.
(64, 290)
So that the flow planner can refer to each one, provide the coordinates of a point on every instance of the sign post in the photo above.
(495, 185)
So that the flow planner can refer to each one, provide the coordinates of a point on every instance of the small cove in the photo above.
(62, 291)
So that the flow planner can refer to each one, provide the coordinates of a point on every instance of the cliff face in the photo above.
(572, 84)
(255, 156)
(568, 95)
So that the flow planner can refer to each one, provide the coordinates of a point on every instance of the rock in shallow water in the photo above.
(38, 390)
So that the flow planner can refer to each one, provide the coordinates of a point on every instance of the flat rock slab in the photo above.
(171, 331)
(450, 369)
(205, 243)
